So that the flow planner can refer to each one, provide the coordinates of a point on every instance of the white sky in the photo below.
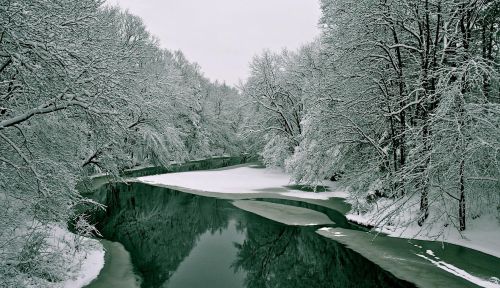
(222, 36)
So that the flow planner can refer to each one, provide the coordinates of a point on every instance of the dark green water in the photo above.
(183, 240)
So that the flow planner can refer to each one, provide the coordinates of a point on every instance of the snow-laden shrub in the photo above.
(276, 151)
(312, 163)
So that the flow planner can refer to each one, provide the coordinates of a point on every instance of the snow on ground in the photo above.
(87, 261)
(89, 269)
(243, 180)
(482, 234)
(82, 258)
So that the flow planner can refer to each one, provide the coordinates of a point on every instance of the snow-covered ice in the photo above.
(420, 266)
(286, 214)
(240, 180)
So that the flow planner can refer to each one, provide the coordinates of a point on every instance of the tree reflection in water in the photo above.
(160, 227)
(275, 255)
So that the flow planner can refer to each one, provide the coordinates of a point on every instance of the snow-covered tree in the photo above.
(85, 88)
(402, 101)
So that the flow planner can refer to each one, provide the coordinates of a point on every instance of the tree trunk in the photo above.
(424, 181)
(461, 205)
(466, 23)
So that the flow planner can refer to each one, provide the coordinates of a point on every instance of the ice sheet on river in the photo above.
(424, 263)
(239, 180)
(286, 214)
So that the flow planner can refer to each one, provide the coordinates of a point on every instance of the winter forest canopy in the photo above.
(400, 99)
(86, 89)
(397, 100)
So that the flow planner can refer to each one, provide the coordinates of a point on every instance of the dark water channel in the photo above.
(182, 240)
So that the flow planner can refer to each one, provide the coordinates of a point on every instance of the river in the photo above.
(168, 238)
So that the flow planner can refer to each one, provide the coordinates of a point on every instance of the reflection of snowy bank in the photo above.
(118, 270)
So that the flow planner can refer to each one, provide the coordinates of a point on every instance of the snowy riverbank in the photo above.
(81, 258)
(482, 233)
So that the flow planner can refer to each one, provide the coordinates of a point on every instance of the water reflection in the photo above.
(183, 240)
(274, 255)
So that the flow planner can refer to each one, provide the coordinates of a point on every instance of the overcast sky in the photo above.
(223, 35)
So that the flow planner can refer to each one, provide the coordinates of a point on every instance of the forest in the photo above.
(397, 100)
(85, 89)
